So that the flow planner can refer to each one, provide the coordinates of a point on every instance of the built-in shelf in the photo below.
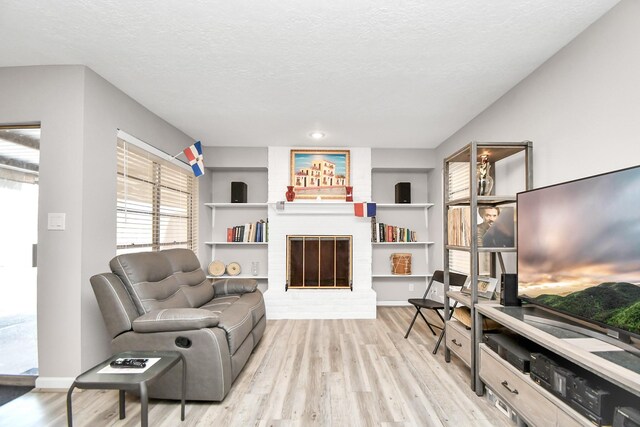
(403, 243)
(235, 243)
(313, 207)
(404, 205)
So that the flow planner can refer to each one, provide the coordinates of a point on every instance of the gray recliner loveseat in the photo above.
(163, 301)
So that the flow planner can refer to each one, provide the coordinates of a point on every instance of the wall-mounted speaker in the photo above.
(509, 290)
(238, 192)
(403, 192)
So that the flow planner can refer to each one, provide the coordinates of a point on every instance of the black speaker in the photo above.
(238, 192)
(403, 192)
(509, 290)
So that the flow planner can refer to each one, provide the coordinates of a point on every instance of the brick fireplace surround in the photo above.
(319, 218)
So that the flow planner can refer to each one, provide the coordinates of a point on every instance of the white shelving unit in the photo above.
(393, 289)
(227, 215)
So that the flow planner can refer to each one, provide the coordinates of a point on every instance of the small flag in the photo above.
(371, 209)
(196, 161)
(364, 209)
(358, 209)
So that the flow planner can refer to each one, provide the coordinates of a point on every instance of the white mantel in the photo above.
(319, 218)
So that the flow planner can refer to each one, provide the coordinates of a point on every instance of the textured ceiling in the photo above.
(258, 73)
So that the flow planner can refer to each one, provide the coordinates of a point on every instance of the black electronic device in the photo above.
(129, 363)
(560, 378)
(626, 416)
(403, 192)
(511, 348)
(590, 400)
(541, 369)
(509, 290)
(238, 192)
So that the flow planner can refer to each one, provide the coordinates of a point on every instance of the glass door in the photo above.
(19, 166)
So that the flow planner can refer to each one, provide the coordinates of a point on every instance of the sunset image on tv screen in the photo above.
(579, 248)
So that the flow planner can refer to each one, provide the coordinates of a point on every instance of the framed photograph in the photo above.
(320, 174)
(466, 288)
(486, 287)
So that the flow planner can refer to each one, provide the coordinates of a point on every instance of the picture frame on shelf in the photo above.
(466, 288)
(323, 174)
(486, 287)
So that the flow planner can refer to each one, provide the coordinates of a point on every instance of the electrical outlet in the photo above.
(411, 287)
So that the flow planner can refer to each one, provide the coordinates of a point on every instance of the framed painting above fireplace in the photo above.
(323, 174)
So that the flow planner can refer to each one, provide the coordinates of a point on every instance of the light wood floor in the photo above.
(306, 372)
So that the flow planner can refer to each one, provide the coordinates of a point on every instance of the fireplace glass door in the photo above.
(319, 262)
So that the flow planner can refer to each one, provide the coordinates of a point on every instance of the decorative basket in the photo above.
(233, 269)
(401, 264)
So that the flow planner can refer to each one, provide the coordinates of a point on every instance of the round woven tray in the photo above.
(216, 268)
(233, 269)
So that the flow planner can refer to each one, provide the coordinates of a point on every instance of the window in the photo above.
(157, 204)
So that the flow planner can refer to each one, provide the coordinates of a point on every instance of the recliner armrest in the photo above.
(236, 286)
(175, 319)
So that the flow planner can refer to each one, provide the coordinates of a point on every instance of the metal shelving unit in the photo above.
(471, 154)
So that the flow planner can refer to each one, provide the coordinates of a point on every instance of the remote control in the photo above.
(129, 363)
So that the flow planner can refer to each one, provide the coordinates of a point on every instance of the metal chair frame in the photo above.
(455, 279)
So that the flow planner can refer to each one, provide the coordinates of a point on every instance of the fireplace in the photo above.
(319, 262)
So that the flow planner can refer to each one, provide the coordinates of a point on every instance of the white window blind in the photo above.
(458, 180)
(458, 187)
(157, 204)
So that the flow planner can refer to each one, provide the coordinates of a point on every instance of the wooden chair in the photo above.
(455, 279)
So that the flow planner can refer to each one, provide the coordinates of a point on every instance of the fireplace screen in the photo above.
(319, 262)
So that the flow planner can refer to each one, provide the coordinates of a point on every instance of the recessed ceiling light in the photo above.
(317, 134)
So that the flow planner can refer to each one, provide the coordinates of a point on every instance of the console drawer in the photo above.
(515, 389)
(459, 340)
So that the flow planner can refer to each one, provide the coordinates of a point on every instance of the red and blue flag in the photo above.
(196, 160)
(364, 209)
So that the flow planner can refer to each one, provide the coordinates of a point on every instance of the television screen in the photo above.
(579, 248)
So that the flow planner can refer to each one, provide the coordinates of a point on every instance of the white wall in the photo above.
(580, 109)
(80, 113)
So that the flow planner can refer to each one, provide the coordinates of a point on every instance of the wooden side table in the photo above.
(92, 379)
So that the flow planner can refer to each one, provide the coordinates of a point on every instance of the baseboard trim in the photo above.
(54, 383)
(393, 303)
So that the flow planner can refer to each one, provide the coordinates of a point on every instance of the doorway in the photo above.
(19, 171)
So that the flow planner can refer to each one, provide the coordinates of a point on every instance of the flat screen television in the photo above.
(579, 249)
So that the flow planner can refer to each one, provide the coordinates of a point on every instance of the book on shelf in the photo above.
(381, 233)
(253, 232)
(374, 232)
